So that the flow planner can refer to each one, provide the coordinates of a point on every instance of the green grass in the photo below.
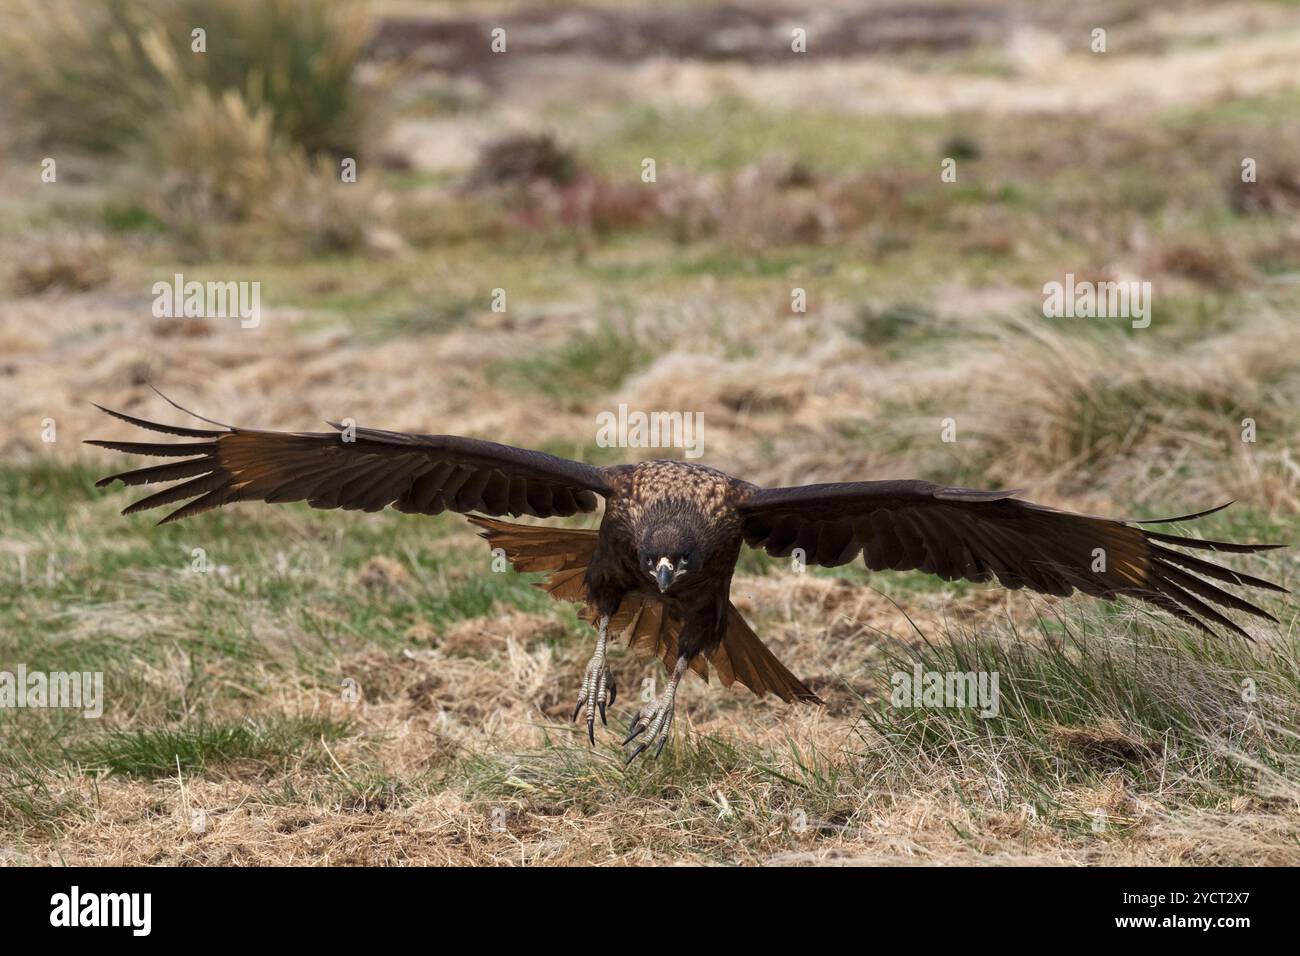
(258, 586)
(284, 599)
(730, 133)
(128, 217)
(30, 798)
(97, 84)
(162, 751)
(589, 364)
(1162, 708)
(1261, 110)
(874, 325)
(1103, 698)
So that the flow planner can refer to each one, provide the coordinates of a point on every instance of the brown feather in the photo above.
(959, 533)
(373, 470)
(641, 621)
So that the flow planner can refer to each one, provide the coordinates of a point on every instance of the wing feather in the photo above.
(961, 533)
(354, 469)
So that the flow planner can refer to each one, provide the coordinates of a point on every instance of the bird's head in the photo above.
(668, 553)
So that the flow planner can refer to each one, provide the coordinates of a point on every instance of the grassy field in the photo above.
(287, 686)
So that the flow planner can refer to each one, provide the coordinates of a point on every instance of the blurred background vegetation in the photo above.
(522, 172)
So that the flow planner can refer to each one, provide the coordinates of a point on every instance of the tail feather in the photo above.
(754, 665)
(647, 625)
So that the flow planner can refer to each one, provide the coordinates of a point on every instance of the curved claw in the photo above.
(657, 719)
(660, 749)
(636, 730)
(598, 690)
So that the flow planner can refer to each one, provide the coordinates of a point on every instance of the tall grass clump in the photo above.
(160, 751)
(1170, 715)
(31, 798)
(236, 133)
(94, 74)
(588, 363)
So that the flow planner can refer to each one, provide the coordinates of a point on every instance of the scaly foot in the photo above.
(598, 687)
(655, 719)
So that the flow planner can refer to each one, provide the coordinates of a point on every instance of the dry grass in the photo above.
(923, 304)
(460, 753)
(92, 75)
(249, 133)
(68, 262)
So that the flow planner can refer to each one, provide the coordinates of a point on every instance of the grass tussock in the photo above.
(92, 74)
(1172, 719)
(33, 797)
(221, 157)
(1112, 733)
(250, 131)
(588, 363)
(70, 262)
(164, 751)
(521, 159)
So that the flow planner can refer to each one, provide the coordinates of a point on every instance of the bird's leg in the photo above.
(598, 688)
(656, 718)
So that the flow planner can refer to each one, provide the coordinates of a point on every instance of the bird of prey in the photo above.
(658, 569)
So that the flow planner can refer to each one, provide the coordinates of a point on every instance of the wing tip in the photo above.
(1188, 517)
(949, 493)
(182, 408)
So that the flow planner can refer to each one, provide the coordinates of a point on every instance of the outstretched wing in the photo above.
(978, 535)
(367, 470)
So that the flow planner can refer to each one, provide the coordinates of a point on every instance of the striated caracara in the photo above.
(658, 570)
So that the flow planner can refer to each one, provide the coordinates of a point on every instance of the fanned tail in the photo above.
(647, 625)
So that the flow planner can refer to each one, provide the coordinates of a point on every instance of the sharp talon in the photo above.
(613, 691)
(597, 689)
(655, 720)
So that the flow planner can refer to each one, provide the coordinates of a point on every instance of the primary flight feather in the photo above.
(659, 567)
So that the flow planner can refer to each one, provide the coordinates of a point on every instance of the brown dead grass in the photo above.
(407, 785)
(450, 727)
(63, 263)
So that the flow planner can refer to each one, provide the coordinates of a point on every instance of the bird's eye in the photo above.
(688, 557)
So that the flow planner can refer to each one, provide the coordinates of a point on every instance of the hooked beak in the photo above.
(664, 574)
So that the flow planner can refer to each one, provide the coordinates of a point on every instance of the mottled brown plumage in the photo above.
(658, 570)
